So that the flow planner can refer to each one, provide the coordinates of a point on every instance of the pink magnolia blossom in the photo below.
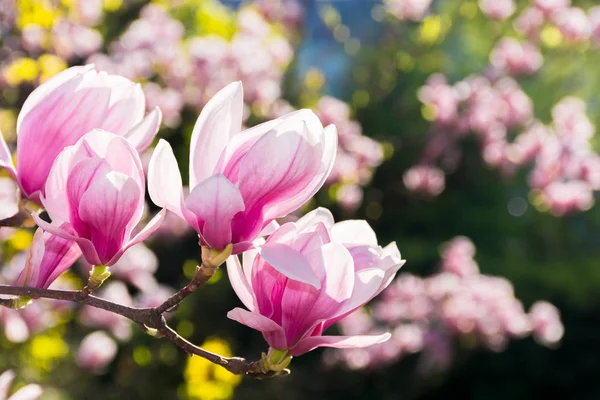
(550, 6)
(573, 23)
(49, 256)
(95, 196)
(497, 9)
(529, 23)
(516, 58)
(425, 179)
(241, 181)
(66, 107)
(413, 10)
(96, 351)
(547, 327)
(27, 392)
(308, 275)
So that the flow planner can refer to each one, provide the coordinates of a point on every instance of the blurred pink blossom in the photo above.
(497, 9)
(96, 351)
(547, 327)
(573, 23)
(425, 179)
(516, 58)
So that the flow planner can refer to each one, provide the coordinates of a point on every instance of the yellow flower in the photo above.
(21, 70)
(21, 240)
(38, 12)
(213, 18)
(207, 381)
(50, 65)
(112, 5)
(45, 350)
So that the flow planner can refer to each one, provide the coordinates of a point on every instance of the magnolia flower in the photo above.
(66, 107)
(95, 196)
(241, 181)
(49, 256)
(96, 351)
(307, 276)
(27, 392)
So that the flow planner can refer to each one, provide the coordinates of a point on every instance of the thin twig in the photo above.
(149, 318)
(203, 274)
(15, 221)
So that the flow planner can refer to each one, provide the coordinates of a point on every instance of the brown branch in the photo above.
(15, 221)
(203, 274)
(150, 320)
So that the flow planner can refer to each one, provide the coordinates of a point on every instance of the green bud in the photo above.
(212, 258)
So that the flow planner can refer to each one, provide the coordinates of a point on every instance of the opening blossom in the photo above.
(309, 275)
(49, 256)
(66, 107)
(241, 181)
(95, 196)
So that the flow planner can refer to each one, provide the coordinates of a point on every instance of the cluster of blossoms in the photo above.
(457, 305)
(39, 37)
(357, 155)
(78, 141)
(574, 24)
(413, 10)
(179, 67)
(565, 167)
(190, 70)
(477, 105)
(566, 170)
(493, 106)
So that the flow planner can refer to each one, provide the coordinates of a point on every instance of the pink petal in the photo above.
(29, 392)
(309, 220)
(86, 246)
(6, 161)
(60, 120)
(239, 282)
(354, 232)
(248, 261)
(142, 135)
(367, 285)
(339, 272)
(215, 201)
(127, 104)
(108, 206)
(218, 122)
(59, 255)
(116, 150)
(15, 328)
(338, 283)
(269, 229)
(240, 144)
(290, 263)
(142, 235)
(74, 74)
(339, 342)
(278, 167)
(164, 179)
(82, 176)
(5, 381)
(56, 201)
(272, 332)
(285, 234)
(30, 274)
(328, 152)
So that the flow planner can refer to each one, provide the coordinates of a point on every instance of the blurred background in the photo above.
(466, 134)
